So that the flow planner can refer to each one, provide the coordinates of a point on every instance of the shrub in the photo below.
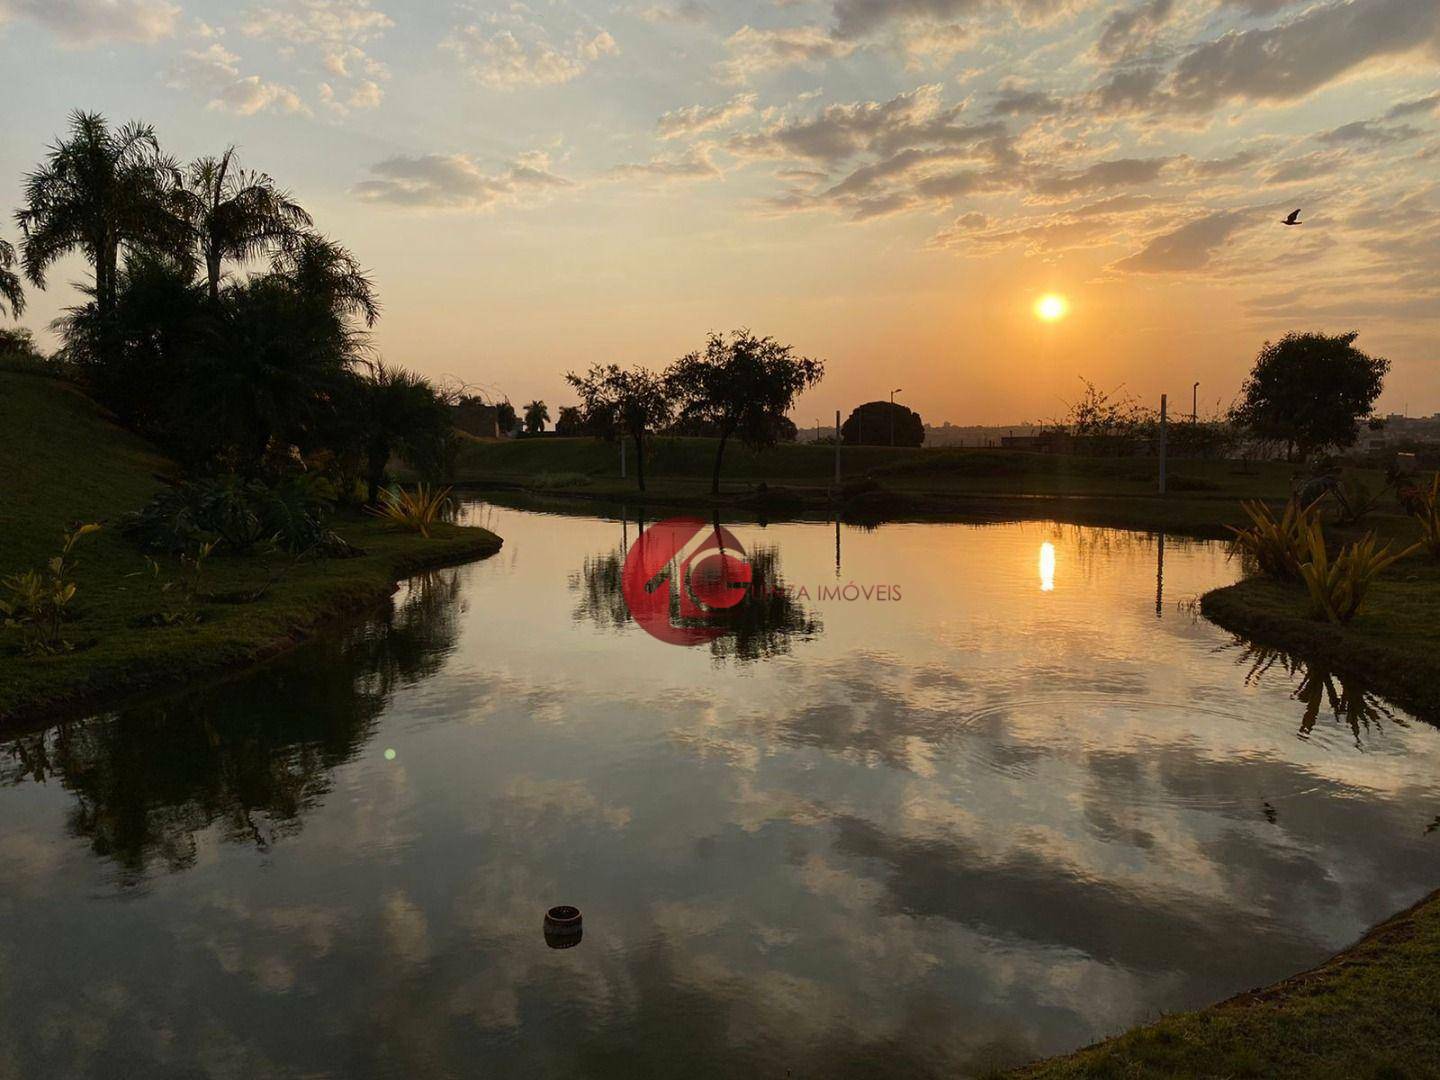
(1338, 586)
(38, 599)
(418, 509)
(1278, 545)
(238, 515)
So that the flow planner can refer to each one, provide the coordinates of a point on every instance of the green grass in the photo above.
(66, 463)
(880, 482)
(1372, 1012)
(671, 460)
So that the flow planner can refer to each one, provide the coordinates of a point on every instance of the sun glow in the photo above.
(1051, 307)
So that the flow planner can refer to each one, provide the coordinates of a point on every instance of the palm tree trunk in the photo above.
(640, 458)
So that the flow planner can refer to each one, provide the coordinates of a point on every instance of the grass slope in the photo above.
(1371, 1013)
(62, 462)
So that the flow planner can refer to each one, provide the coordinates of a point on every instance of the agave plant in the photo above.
(1278, 545)
(1426, 510)
(1338, 586)
(418, 509)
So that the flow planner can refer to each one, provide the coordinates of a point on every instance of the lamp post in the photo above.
(1194, 402)
(892, 413)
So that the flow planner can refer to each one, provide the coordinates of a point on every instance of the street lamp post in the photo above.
(892, 413)
(1194, 402)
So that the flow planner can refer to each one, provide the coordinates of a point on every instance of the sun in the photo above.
(1051, 307)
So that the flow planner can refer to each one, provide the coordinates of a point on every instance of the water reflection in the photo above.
(941, 836)
(768, 622)
(1047, 567)
(249, 760)
(1316, 687)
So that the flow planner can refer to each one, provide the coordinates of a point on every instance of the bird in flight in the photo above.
(1293, 219)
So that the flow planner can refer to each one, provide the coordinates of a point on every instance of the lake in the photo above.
(928, 800)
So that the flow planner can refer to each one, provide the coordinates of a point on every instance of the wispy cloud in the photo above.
(84, 23)
(456, 182)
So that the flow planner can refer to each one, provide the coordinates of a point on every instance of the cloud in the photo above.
(1131, 30)
(1420, 106)
(694, 164)
(862, 18)
(1189, 247)
(1120, 172)
(89, 22)
(215, 71)
(1012, 99)
(1279, 64)
(753, 52)
(1306, 167)
(687, 11)
(1210, 168)
(693, 119)
(1370, 133)
(837, 132)
(335, 33)
(456, 182)
(511, 51)
(317, 22)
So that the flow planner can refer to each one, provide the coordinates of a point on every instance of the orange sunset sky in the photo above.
(888, 184)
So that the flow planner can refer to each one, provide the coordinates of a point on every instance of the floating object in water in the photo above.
(562, 927)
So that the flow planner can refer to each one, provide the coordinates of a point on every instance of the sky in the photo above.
(890, 185)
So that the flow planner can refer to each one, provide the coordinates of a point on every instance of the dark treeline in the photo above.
(218, 321)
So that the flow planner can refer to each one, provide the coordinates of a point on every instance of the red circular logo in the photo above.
(681, 576)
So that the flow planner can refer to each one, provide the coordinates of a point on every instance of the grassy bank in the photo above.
(884, 483)
(1372, 1012)
(1392, 646)
(65, 463)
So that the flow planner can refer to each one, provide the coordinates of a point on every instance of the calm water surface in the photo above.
(1028, 802)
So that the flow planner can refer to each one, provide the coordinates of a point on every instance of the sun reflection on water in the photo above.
(1047, 567)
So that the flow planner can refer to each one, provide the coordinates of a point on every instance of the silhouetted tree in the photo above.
(870, 425)
(10, 291)
(744, 386)
(328, 277)
(570, 421)
(98, 191)
(1310, 391)
(617, 403)
(505, 417)
(536, 417)
(400, 413)
(234, 214)
(142, 359)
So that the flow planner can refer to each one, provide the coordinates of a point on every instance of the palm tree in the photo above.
(10, 291)
(401, 414)
(97, 191)
(328, 274)
(537, 415)
(235, 214)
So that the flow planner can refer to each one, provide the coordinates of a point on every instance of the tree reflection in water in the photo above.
(1317, 687)
(149, 780)
(767, 623)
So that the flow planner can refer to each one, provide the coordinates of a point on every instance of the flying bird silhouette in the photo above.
(1293, 219)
